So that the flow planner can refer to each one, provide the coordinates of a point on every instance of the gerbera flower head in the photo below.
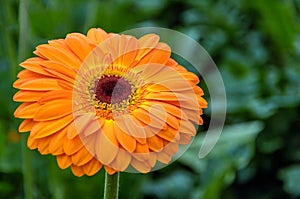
(107, 100)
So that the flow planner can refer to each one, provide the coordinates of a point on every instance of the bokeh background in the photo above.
(256, 46)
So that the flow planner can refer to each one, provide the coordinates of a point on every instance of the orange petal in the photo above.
(146, 44)
(61, 76)
(55, 95)
(53, 110)
(58, 67)
(152, 159)
(155, 143)
(97, 35)
(43, 145)
(27, 96)
(106, 148)
(110, 47)
(32, 143)
(63, 161)
(126, 50)
(64, 56)
(109, 170)
(122, 161)
(142, 148)
(171, 62)
(187, 127)
(108, 130)
(125, 140)
(94, 126)
(72, 131)
(198, 91)
(141, 166)
(200, 121)
(158, 114)
(186, 100)
(155, 87)
(191, 77)
(172, 121)
(58, 43)
(147, 71)
(41, 84)
(176, 79)
(26, 110)
(166, 96)
(77, 171)
(78, 43)
(192, 115)
(26, 75)
(132, 127)
(81, 157)
(35, 67)
(135, 127)
(56, 146)
(160, 54)
(163, 157)
(202, 102)
(174, 83)
(171, 148)
(72, 146)
(26, 125)
(143, 115)
(185, 138)
(191, 112)
(92, 167)
(43, 129)
(169, 134)
(88, 124)
(169, 108)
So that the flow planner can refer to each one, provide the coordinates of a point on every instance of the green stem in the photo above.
(23, 29)
(111, 189)
(26, 169)
(26, 165)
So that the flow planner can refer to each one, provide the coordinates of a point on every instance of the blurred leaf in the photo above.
(3, 137)
(10, 161)
(5, 188)
(291, 179)
(235, 139)
(150, 7)
(233, 151)
(277, 19)
(6, 102)
(176, 185)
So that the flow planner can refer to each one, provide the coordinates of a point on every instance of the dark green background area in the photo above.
(256, 46)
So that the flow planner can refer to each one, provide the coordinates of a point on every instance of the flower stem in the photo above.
(23, 29)
(26, 169)
(111, 189)
(26, 156)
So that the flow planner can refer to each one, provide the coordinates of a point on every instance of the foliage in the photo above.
(256, 45)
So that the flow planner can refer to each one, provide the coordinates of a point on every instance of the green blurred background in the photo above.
(255, 44)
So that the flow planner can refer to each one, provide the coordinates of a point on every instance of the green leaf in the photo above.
(291, 179)
(277, 19)
(233, 152)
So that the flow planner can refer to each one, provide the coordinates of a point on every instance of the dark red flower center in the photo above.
(112, 90)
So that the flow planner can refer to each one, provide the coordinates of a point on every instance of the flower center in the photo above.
(112, 89)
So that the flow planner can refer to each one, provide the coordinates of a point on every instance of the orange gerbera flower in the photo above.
(107, 100)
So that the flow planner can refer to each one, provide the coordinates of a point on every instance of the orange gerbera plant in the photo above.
(107, 100)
